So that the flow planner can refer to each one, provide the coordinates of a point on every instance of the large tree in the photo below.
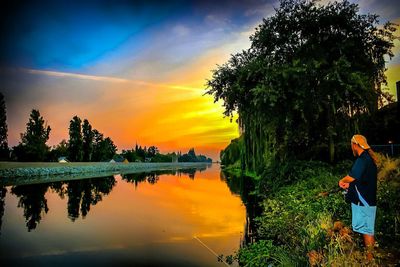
(33, 142)
(310, 71)
(103, 148)
(75, 148)
(4, 151)
(87, 141)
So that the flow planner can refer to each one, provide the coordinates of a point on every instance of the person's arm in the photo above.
(345, 181)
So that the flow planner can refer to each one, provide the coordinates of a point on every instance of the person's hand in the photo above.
(343, 184)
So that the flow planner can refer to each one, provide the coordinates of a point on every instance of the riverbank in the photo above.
(46, 171)
(306, 222)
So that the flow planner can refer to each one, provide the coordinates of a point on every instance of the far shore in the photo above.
(17, 173)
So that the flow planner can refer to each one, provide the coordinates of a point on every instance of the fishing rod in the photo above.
(212, 251)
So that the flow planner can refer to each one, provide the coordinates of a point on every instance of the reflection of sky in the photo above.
(128, 64)
(135, 224)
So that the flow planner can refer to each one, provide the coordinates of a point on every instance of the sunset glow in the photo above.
(136, 72)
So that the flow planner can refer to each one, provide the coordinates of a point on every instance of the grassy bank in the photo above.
(306, 222)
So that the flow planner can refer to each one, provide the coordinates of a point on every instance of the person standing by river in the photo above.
(361, 186)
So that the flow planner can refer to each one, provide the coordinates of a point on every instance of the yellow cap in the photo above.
(360, 140)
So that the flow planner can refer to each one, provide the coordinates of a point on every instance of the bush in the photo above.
(306, 218)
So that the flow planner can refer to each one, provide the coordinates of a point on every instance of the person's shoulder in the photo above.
(364, 155)
(366, 158)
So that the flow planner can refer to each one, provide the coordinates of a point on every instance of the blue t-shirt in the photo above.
(364, 172)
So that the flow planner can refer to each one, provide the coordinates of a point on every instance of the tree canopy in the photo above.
(33, 142)
(310, 70)
(75, 148)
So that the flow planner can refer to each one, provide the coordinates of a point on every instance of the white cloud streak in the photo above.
(107, 79)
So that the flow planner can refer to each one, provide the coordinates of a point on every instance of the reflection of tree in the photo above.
(243, 186)
(135, 178)
(33, 201)
(154, 176)
(3, 192)
(84, 193)
(190, 172)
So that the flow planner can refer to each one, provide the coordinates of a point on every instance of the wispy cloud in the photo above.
(74, 75)
(106, 79)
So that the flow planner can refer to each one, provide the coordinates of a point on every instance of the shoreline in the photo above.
(45, 172)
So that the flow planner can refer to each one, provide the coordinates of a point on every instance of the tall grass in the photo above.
(306, 221)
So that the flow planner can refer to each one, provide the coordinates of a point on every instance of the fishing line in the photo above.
(212, 251)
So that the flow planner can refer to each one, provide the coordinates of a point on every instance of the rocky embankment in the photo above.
(55, 173)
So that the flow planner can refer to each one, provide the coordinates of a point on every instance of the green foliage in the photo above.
(33, 142)
(310, 70)
(192, 157)
(388, 222)
(75, 148)
(163, 158)
(264, 253)
(307, 219)
(60, 150)
(87, 141)
(233, 152)
(4, 151)
(152, 151)
(86, 144)
(151, 154)
(103, 148)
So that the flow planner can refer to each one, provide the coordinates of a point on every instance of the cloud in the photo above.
(74, 75)
(180, 30)
(102, 79)
(263, 9)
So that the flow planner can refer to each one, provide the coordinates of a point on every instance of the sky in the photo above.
(135, 69)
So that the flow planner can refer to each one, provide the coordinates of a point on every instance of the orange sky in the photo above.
(149, 88)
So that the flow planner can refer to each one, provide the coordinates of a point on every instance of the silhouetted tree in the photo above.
(152, 151)
(140, 152)
(87, 141)
(4, 151)
(75, 147)
(33, 142)
(103, 148)
(60, 150)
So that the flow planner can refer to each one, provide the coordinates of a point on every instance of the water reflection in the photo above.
(243, 186)
(85, 193)
(3, 192)
(154, 176)
(81, 194)
(33, 201)
(142, 219)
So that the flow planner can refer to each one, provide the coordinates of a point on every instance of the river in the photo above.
(169, 218)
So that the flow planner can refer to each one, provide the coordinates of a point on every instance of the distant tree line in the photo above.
(192, 157)
(85, 144)
(152, 154)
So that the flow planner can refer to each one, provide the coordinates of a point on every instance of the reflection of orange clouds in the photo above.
(175, 209)
(149, 218)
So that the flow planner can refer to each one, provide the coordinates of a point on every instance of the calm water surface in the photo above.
(149, 219)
